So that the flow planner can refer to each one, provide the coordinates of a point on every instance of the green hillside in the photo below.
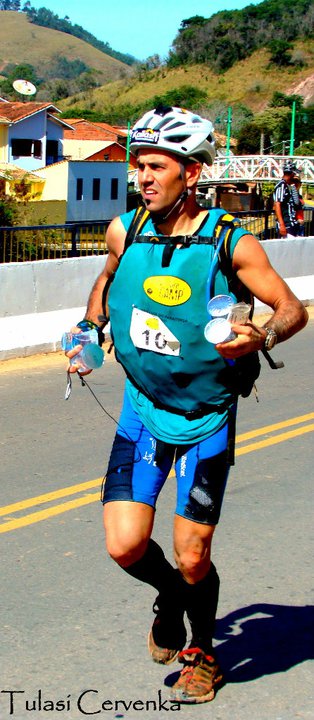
(232, 35)
(250, 82)
(54, 55)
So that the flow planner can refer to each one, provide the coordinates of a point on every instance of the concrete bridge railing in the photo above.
(40, 300)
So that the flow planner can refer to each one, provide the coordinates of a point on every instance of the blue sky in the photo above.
(139, 28)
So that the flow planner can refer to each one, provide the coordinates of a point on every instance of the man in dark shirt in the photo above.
(284, 206)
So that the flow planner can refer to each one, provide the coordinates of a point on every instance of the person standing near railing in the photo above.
(284, 207)
(298, 203)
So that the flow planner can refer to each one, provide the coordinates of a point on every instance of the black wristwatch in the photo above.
(271, 338)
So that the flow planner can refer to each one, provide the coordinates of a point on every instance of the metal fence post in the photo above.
(75, 236)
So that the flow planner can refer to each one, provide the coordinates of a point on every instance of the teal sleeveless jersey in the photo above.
(158, 313)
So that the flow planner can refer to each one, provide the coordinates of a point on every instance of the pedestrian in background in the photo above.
(298, 203)
(284, 206)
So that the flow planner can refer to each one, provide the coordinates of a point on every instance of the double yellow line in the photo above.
(270, 435)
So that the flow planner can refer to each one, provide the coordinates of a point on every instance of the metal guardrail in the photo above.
(52, 242)
(262, 223)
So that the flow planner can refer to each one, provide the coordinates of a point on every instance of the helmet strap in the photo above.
(158, 218)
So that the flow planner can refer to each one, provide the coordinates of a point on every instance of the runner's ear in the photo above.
(192, 173)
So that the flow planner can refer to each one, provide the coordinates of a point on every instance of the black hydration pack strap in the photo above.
(139, 219)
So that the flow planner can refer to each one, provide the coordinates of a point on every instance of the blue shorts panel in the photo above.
(132, 471)
(139, 466)
(202, 472)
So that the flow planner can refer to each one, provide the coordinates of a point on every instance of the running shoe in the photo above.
(199, 678)
(168, 634)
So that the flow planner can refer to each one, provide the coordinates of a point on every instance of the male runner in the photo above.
(179, 405)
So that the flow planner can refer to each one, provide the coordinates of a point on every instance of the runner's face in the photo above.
(160, 180)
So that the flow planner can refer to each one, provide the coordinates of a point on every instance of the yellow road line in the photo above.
(54, 510)
(80, 487)
(48, 513)
(275, 426)
(274, 440)
(47, 497)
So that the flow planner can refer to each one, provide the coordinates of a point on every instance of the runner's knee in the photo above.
(192, 564)
(125, 550)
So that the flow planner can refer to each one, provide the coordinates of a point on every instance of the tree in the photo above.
(249, 139)
(304, 117)
(198, 20)
(10, 4)
(280, 54)
(8, 210)
(228, 36)
(306, 148)
(24, 72)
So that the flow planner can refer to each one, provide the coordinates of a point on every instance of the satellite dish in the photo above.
(24, 87)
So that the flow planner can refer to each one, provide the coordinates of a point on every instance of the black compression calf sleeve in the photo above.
(153, 568)
(201, 601)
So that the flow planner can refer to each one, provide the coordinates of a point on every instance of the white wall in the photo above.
(40, 300)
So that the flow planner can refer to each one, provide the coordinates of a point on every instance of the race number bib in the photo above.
(148, 332)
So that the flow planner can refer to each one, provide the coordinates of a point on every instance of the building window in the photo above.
(23, 147)
(96, 188)
(79, 189)
(114, 188)
(52, 155)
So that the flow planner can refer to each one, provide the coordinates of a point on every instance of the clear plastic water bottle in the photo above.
(91, 356)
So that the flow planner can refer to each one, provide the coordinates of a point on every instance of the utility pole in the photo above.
(292, 128)
(229, 122)
(128, 145)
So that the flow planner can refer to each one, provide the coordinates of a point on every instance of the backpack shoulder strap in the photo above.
(221, 237)
(139, 219)
(225, 226)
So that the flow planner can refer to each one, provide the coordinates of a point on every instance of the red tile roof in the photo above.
(88, 130)
(15, 111)
(13, 172)
(121, 132)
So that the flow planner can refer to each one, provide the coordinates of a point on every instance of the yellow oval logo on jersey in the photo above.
(167, 290)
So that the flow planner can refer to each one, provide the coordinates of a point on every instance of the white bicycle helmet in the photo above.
(176, 130)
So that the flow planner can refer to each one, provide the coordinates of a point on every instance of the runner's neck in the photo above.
(185, 223)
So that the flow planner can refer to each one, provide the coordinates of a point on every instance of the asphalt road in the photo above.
(74, 626)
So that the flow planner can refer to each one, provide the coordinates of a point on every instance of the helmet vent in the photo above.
(175, 125)
(148, 122)
(162, 123)
(178, 139)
